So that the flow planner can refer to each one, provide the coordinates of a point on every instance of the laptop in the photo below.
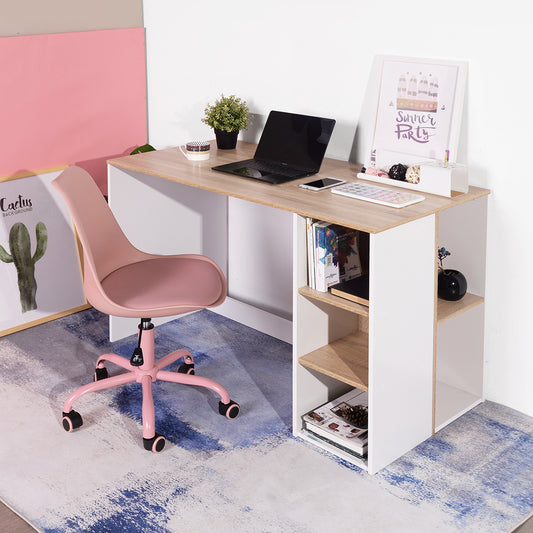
(291, 146)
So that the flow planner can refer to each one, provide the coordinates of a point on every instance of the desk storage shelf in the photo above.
(420, 358)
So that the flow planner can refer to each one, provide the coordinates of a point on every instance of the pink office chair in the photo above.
(121, 280)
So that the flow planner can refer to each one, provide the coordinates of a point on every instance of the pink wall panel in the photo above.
(71, 98)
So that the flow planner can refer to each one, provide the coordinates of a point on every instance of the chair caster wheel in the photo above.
(100, 373)
(186, 368)
(155, 444)
(71, 421)
(230, 410)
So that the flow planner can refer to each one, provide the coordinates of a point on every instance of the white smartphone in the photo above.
(324, 183)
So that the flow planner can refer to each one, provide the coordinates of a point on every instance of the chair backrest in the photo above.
(105, 247)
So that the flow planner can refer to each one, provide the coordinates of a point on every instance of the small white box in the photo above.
(441, 178)
(435, 178)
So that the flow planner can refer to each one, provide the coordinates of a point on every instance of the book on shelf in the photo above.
(355, 290)
(343, 421)
(321, 438)
(335, 255)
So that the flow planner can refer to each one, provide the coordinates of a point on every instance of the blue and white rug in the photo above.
(243, 475)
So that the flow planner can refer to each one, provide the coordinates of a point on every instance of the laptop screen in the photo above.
(296, 140)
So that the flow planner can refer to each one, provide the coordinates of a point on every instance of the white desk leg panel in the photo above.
(260, 256)
(402, 292)
(161, 216)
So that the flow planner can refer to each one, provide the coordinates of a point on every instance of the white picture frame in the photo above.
(40, 267)
(418, 112)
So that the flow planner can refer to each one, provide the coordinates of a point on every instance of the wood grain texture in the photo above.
(447, 310)
(372, 218)
(330, 299)
(345, 359)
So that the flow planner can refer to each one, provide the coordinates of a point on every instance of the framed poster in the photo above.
(40, 271)
(419, 111)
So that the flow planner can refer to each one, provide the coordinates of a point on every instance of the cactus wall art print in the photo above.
(40, 264)
(20, 255)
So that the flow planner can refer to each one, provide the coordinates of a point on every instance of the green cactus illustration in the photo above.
(20, 248)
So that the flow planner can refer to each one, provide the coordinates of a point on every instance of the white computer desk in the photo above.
(421, 359)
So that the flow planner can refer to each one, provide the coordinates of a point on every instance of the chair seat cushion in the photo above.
(163, 283)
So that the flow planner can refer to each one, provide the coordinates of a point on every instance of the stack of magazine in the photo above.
(333, 254)
(333, 423)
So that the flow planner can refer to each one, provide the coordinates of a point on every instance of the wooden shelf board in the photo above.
(336, 301)
(447, 310)
(345, 360)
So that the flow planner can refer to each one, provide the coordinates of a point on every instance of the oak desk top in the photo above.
(172, 165)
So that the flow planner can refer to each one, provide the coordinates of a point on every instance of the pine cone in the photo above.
(356, 415)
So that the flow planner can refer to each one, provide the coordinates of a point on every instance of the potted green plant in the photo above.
(227, 116)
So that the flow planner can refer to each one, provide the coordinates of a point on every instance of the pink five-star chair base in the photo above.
(146, 374)
(121, 280)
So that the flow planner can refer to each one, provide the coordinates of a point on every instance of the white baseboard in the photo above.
(264, 321)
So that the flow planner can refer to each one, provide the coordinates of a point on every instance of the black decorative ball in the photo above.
(397, 172)
(452, 285)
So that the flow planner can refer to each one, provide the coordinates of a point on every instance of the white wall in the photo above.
(314, 57)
